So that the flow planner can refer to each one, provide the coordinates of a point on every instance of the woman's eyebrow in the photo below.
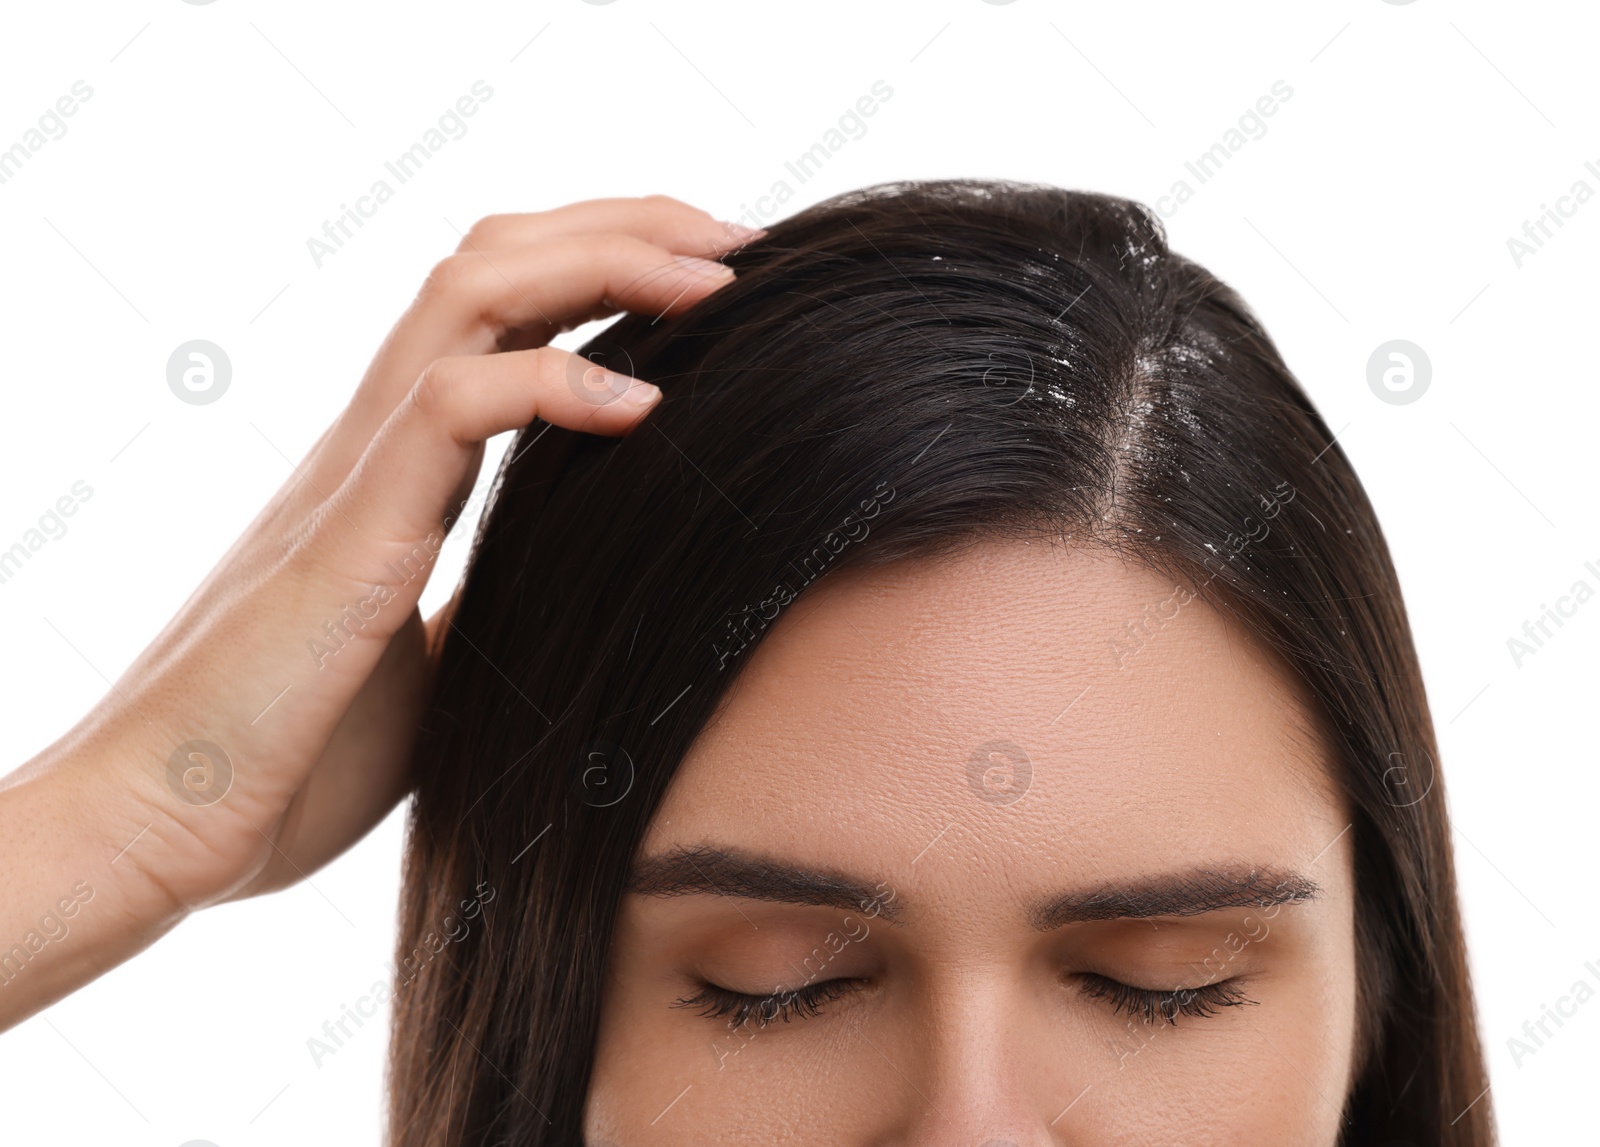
(708, 871)
(714, 871)
(1191, 893)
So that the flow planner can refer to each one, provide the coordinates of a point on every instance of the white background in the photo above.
(219, 137)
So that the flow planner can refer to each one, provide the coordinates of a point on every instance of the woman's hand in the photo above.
(268, 726)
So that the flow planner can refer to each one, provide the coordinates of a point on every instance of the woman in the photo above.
(975, 707)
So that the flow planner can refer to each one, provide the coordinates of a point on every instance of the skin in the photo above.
(115, 825)
(843, 750)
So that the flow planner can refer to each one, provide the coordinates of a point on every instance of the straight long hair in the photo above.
(1000, 359)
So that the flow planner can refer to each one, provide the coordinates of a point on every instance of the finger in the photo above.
(657, 219)
(471, 300)
(403, 486)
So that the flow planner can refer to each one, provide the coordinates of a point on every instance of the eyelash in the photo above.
(1149, 1004)
(739, 1008)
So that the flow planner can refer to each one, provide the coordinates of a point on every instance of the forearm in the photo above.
(75, 900)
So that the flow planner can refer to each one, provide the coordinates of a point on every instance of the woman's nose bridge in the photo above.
(976, 1074)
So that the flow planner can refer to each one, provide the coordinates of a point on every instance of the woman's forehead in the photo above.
(1032, 705)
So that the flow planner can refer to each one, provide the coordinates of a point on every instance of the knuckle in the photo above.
(486, 232)
(449, 275)
(670, 205)
(551, 364)
(436, 386)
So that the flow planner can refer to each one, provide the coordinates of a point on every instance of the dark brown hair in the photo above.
(1009, 359)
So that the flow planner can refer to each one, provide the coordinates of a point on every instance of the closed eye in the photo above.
(1150, 1004)
(740, 1008)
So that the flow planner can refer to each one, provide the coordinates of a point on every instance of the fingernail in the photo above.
(641, 394)
(742, 233)
(705, 268)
